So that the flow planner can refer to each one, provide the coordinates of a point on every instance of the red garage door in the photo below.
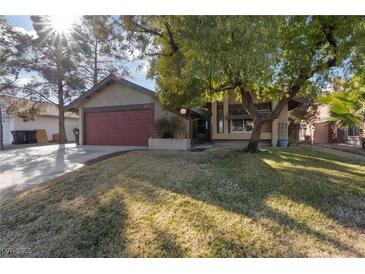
(119, 128)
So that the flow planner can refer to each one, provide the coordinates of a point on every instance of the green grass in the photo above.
(291, 202)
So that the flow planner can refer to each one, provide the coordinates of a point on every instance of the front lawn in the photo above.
(291, 202)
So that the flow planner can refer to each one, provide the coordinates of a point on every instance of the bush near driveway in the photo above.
(292, 202)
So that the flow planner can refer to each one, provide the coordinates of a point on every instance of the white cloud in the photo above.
(22, 30)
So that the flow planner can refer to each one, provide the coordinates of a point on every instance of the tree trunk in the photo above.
(61, 115)
(249, 105)
(252, 145)
(1, 130)
(95, 76)
(61, 103)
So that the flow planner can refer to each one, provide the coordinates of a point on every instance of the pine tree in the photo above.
(102, 48)
(13, 48)
(56, 65)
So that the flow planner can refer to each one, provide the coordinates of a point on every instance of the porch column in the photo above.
(275, 128)
(225, 113)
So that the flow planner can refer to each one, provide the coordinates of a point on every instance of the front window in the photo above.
(353, 131)
(220, 118)
(241, 125)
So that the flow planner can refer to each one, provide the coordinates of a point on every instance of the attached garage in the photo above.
(119, 126)
(119, 112)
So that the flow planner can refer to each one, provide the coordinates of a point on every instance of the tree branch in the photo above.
(144, 29)
(41, 95)
(249, 105)
(171, 39)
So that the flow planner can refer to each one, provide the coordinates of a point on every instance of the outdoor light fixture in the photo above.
(183, 111)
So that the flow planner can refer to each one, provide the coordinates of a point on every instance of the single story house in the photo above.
(119, 112)
(47, 120)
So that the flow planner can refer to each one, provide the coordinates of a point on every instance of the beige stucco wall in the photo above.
(323, 114)
(283, 118)
(49, 124)
(229, 99)
(117, 94)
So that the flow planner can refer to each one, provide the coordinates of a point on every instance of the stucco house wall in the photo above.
(117, 94)
(269, 130)
(47, 120)
(49, 124)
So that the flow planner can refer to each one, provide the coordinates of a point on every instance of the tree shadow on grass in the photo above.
(72, 226)
(67, 218)
(247, 193)
(320, 161)
(167, 244)
(99, 235)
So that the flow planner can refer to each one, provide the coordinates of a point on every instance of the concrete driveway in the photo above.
(24, 167)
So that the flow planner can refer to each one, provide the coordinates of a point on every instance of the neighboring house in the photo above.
(321, 132)
(119, 112)
(47, 120)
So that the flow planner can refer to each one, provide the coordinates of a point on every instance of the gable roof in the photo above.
(112, 78)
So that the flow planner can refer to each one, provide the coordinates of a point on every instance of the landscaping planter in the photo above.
(169, 144)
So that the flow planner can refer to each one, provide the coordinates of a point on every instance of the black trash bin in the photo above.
(19, 137)
(77, 134)
(24, 137)
(31, 136)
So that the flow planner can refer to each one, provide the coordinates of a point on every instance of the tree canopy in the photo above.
(194, 59)
(100, 43)
(14, 47)
(13, 61)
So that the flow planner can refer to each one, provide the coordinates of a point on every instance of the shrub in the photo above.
(169, 128)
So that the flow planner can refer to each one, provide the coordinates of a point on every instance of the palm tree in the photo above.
(346, 108)
(347, 105)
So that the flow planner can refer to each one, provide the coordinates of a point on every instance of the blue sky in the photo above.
(138, 77)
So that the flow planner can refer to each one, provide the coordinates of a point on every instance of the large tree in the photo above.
(102, 48)
(262, 58)
(13, 48)
(56, 65)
